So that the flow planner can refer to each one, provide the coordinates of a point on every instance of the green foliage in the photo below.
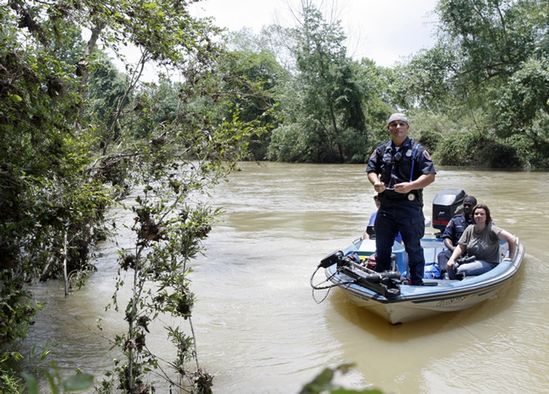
(474, 149)
(169, 230)
(77, 134)
(17, 308)
(380, 95)
(490, 34)
(153, 105)
(35, 368)
(488, 73)
(427, 80)
(249, 82)
(57, 384)
(524, 99)
(430, 139)
(106, 96)
(48, 208)
(277, 40)
(189, 147)
(287, 144)
(324, 383)
(532, 153)
(10, 382)
(329, 106)
(331, 99)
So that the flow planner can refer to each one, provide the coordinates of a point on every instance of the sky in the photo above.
(387, 31)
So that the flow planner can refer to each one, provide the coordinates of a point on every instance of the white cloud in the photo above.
(387, 31)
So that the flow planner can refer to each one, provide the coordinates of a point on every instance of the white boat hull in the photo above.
(418, 302)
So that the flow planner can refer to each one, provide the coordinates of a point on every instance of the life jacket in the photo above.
(399, 165)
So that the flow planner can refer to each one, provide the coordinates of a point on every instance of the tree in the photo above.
(330, 108)
(494, 38)
(249, 84)
(278, 40)
(487, 71)
(75, 136)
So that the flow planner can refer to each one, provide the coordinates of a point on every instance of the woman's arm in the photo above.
(458, 251)
(511, 242)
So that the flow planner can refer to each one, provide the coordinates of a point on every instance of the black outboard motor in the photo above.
(445, 206)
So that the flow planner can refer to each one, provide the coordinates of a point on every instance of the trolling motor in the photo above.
(384, 283)
(331, 259)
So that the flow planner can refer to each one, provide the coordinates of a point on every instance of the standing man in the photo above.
(399, 169)
(452, 233)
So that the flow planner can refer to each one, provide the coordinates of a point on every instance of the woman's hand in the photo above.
(456, 254)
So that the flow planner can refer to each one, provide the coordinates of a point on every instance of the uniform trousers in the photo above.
(404, 216)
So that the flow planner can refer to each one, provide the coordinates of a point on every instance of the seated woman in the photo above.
(481, 240)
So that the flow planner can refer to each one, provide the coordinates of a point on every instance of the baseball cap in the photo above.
(397, 116)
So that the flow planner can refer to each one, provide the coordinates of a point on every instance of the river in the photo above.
(259, 330)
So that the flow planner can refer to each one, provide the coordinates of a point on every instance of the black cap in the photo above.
(470, 200)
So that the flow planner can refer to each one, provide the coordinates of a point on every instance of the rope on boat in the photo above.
(326, 287)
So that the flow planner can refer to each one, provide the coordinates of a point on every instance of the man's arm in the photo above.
(449, 244)
(449, 235)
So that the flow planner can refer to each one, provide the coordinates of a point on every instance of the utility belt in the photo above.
(392, 195)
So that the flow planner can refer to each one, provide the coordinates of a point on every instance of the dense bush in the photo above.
(475, 149)
(287, 144)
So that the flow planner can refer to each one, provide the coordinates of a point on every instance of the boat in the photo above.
(388, 295)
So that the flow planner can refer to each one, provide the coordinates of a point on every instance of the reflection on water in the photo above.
(258, 328)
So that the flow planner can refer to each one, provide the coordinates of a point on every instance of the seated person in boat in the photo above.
(453, 231)
(481, 240)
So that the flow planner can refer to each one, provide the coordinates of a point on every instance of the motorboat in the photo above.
(387, 293)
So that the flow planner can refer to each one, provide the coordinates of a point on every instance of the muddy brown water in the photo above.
(258, 328)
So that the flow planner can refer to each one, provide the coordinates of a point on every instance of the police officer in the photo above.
(399, 169)
(455, 227)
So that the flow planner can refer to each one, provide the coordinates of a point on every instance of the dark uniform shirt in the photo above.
(403, 164)
(455, 227)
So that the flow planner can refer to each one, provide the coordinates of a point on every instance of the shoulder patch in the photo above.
(426, 155)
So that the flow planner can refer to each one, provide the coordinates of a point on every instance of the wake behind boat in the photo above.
(387, 293)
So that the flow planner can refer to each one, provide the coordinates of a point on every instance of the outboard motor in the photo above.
(445, 206)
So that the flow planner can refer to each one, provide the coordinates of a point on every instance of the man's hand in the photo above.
(404, 187)
(379, 187)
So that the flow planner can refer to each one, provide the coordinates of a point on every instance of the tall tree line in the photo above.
(478, 97)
